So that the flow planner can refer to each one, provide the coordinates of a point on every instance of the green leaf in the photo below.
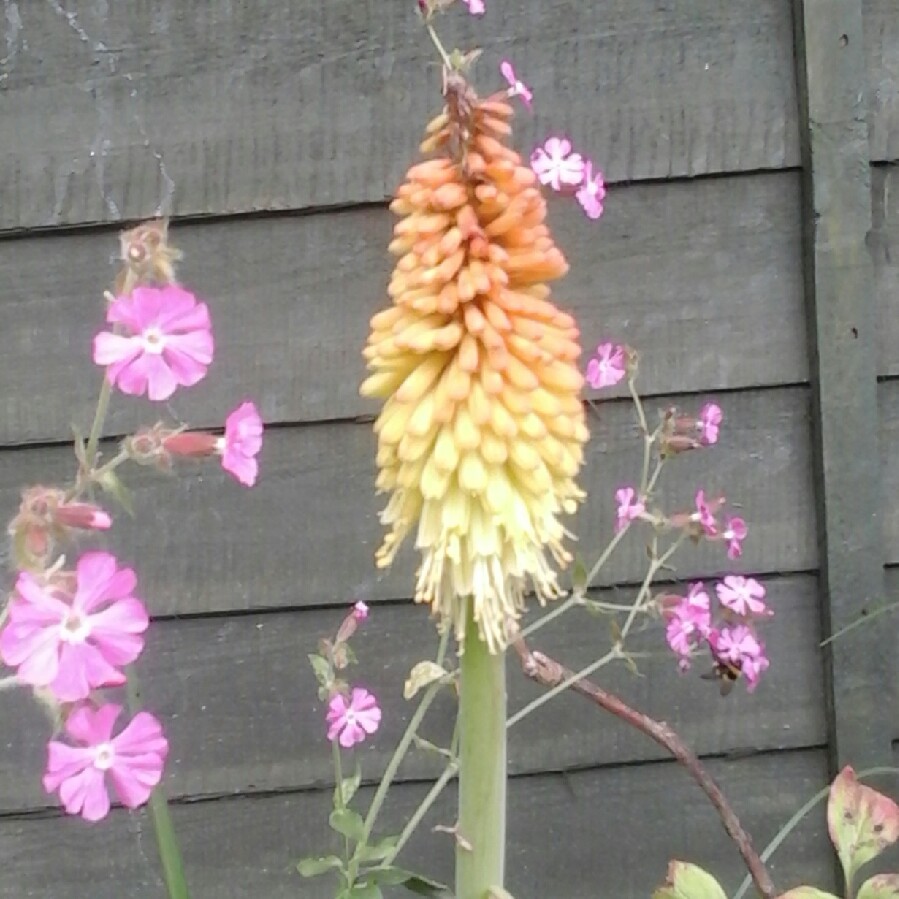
(346, 790)
(80, 447)
(883, 886)
(379, 851)
(322, 668)
(686, 881)
(168, 846)
(347, 823)
(421, 675)
(365, 891)
(387, 876)
(499, 893)
(807, 893)
(579, 575)
(112, 484)
(423, 886)
(313, 867)
(861, 822)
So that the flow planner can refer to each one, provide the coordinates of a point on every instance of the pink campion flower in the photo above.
(682, 635)
(740, 648)
(241, 443)
(74, 642)
(689, 621)
(351, 721)
(475, 7)
(735, 533)
(630, 506)
(556, 165)
(167, 342)
(607, 367)
(705, 515)
(591, 192)
(360, 611)
(133, 759)
(516, 88)
(743, 595)
(708, 424)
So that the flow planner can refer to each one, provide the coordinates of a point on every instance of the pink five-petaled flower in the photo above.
(475, 7)
(708, 424)
(743, 595)
(607, 367)
(735, 533)
(556, 165)
(591, 192)
(72, 644)
(690, 620)
(704, 515)
(134, 761)
(241, 443)
(351, 721)
(516, 88)
(738, 646)
(630, 506)
(167, 342)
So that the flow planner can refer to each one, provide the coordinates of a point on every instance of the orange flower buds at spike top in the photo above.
(482, 431)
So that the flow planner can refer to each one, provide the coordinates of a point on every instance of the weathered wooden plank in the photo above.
(881, 36)
(888, 404)
(842, 326)
(588, 834)
(306, 534)
(690, 274)
(114, 111)
(239, 703)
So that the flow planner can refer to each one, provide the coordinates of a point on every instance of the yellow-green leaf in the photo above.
(883, 886)
(686, 881)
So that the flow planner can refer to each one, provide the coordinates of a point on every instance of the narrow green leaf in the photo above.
(380, 850)
(322, 668)
(579, 575)
(112, 484)
(347, 823)
(686, 881)
(313, 867)
(169, 851)
(366, 891)
(387, 876)
(348, 787)
(80, 446)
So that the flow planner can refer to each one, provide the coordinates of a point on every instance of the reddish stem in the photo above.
(550, 673)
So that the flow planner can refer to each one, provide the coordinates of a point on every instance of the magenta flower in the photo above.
(690, 620)
(516, 88)
(73, 644)
(704, 515)
(682, 635)
(241, 443)
(555, 164)
(735, 533)
(710, 417)
(630, 506)
(167, 342)
(475, 7)
(739, 647)
(591, 192)
(351, 721)
(133, 760)
(743, 595)
(607, 367)
(360, 611)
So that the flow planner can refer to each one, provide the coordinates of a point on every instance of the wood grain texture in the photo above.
(238, 699)
(306, 534)
(883, 243)
(593, 834)
(881, 41)
(112, 111)
(842, 327)
(692, 275)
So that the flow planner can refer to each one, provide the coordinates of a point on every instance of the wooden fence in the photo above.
(748, 252)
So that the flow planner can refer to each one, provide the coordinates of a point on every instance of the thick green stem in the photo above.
(480, 854)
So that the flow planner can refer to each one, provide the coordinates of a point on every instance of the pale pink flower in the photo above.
(360, 611)
(697, 605)
(710, 417)
(241, 443)
(133, 760)
(740, 648)
(351, 721)
(743, 595)
(591, 192)
(74, 643)
(167, 342)
(555, 164)
(630, 506)
(516, 88)
(735, 533)
(475, 7)
(690, 620)
(683, 635)
(607, 367)
(704, 515)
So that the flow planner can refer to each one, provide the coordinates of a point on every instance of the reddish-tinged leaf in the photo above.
(861, 822)
(686, 881)
(883, 886)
